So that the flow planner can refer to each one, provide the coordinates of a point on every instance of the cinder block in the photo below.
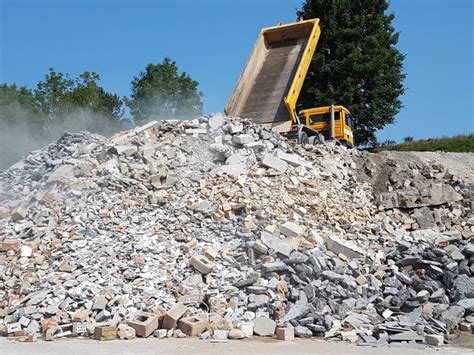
(144, 323)
(105, 333)
(79, 328)
(171, 318)
(285, 333)
(201, 264)
(193, 326)
(13, 327)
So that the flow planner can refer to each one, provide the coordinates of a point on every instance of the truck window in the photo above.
(349, 121)
(323, 117)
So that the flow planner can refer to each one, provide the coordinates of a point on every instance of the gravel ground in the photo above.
(196, 346)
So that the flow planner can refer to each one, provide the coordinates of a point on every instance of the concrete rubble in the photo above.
(218, 228)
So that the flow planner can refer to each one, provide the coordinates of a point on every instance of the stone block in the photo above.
(273, 162)
(171, 318)
(144, 323)
(220, 334)
(80, 315)
(216, 121)
(340, 246)
(33, 327)
(126, 332)
(452, 317)
(193, 326)
(242, 139)
(160, 333)
(279, 245)
(264, 326)
(466, 326)
(291, 229)
(236, 334)
(26, 251)
(100, 303)
(247, 328)
(274, 267)
(105, 333)
(79, 328)
(293, 159)
(217, 304)
(126, 150)
(52, 332)
(24, 321)
(13, 327)
(201, 264)
(211, 253)
(435, 340)
(285, 333)
(19, 212)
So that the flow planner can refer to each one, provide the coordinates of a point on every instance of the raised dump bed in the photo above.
(269, 86)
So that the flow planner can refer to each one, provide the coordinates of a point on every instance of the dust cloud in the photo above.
(19, 136)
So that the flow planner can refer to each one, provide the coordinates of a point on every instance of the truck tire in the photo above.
(347, 144)
(316, 139)
(304, 138)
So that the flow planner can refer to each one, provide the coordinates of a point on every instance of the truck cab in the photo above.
(319, 119)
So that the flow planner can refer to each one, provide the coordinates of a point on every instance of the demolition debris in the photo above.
(221, 229)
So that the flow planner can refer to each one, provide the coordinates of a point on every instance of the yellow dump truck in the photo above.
(269, 86)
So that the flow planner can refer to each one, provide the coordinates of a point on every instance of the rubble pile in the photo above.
(221, 229)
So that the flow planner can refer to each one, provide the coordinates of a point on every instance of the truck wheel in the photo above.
(304, 139)
(313, 140)
(316, 139)
(347, 144)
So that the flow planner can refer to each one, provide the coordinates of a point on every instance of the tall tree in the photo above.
(77, 104)
(161, 92)
(356, 63)
(17, 104)
(20, 122)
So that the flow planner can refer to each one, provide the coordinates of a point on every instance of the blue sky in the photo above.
(211, 40)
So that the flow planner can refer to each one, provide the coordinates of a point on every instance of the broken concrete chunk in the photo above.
(273, 162)
(291, 229)
(279, 245)
(126, 332)
(19, 212)
(348, 248)
(264, 326)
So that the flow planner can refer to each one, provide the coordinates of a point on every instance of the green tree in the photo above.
(20, 122)
(161, 92)
(356, 63)
(17, 104)
(78, 104)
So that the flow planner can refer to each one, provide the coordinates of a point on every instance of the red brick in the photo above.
(14, 245)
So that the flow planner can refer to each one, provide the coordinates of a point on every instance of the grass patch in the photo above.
(460, 144)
